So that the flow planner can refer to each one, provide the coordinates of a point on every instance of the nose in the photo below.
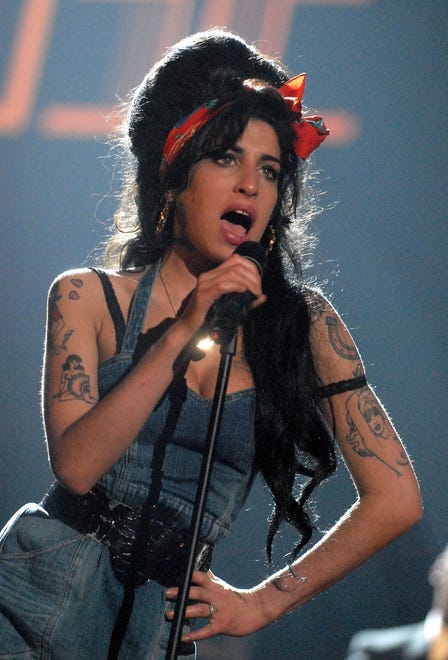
(247, 182)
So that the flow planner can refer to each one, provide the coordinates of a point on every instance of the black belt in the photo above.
(142, 548)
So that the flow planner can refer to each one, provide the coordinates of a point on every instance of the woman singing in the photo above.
(217, 144)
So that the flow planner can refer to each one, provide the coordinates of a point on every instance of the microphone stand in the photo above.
(228, 348)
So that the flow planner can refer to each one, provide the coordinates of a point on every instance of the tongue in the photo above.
(238, 230)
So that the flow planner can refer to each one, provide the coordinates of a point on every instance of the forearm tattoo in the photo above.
(281, 583)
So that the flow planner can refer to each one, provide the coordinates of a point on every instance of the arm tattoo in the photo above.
(346, 351)
(77, 282)
(74, 382)
(370, 434)
(58, 334)
(280, 582)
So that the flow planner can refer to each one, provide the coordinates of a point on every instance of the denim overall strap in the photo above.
(138, 308)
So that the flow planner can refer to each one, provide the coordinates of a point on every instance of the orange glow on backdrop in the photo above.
(26, 64)
(85, 121)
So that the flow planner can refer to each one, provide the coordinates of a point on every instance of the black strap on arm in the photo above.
(342, 386)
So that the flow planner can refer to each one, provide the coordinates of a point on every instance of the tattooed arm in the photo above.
(370, 434)
(387, 503)
(388, 499)
(364, 432)
(85, 437)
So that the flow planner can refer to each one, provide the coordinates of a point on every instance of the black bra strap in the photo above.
(342, 386)
(114, 308)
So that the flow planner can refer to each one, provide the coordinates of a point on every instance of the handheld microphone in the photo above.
(230, 310)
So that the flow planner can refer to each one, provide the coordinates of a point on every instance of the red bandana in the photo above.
(310, 131)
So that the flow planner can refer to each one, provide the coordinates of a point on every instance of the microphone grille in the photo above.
(253, 251)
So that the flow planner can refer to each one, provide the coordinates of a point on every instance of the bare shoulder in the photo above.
(75, 278)
(78, 311)
(74, 300)
(73, 283)
(335, 352)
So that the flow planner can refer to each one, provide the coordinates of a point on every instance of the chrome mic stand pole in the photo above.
(228, 348)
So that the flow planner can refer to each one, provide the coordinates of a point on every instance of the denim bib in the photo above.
(168, 451)
(57, 584)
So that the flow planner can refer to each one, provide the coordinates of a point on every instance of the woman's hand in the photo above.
(236, 274)
(230, 611)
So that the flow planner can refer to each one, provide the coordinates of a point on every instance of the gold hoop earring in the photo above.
(163, 218)
(272, 239)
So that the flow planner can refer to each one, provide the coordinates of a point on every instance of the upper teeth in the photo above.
(238, 216)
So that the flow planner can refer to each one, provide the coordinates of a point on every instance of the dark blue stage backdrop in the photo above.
(377, 72)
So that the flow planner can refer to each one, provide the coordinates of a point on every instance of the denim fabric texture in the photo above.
(58, 595)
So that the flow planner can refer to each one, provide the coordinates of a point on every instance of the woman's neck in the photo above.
(185, 263)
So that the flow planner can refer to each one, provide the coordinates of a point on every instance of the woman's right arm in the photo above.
(86, 436)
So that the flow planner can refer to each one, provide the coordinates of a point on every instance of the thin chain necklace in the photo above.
(167, 293)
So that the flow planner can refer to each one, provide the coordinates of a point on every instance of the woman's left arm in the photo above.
(388, 499)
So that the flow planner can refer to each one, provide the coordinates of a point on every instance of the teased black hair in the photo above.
(294, 445)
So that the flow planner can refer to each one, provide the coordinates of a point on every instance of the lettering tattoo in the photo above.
(74, 382)
(344, 350)
(370, 433)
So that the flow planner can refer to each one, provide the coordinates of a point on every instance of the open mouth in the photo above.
(240, 220)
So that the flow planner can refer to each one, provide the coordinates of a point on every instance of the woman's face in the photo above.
(230, 198)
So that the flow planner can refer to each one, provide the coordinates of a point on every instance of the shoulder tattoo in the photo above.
(344, 350)
(58, 333)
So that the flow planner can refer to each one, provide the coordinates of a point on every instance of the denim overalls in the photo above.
(58, 595)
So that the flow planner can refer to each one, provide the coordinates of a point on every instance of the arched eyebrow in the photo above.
(263, 157)
(271, 159)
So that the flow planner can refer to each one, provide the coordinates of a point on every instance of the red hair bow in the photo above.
(310, 131)
(184, 131)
